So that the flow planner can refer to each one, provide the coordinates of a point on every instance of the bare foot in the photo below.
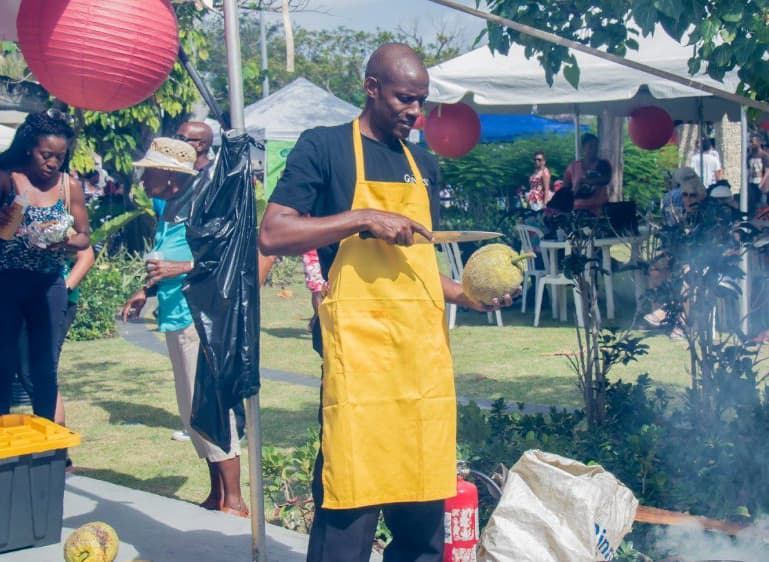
(235, 508)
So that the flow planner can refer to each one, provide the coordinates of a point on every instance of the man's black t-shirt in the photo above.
(319, 178)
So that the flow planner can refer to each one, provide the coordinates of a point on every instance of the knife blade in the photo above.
(448, 236)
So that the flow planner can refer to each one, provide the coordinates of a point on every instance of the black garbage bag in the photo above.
(223, 290)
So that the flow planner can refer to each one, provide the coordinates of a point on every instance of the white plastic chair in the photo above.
(526, 233)
(454, 256)
(556, 280)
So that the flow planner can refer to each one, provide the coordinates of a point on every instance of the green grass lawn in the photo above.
(121, 400)
(517, 361)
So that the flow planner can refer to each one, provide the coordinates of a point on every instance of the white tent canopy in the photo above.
(495, 83)
(296, 107)
(6, 136)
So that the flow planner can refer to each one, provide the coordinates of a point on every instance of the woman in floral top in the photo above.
(54, 227)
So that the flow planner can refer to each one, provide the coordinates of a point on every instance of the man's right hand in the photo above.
(133, 306)
(394, 228)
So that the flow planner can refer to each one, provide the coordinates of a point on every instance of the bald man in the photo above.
(200, 137)
(363, 196)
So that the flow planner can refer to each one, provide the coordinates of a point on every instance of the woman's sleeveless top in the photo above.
(17, 253)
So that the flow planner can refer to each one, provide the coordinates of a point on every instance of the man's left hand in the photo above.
(157, 270)
(503, 302)
(455, 294)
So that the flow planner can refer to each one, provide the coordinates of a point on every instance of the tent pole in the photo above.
(700, 136)
(234, 67)
(253, 422)
(577, 148)
(263, 54)
(745, 258)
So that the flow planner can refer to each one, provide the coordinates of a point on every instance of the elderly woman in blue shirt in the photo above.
(168, 170)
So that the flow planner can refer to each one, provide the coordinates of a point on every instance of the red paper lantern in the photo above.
(452, 130)
(96, 54)
(673, 140)
(650, 127)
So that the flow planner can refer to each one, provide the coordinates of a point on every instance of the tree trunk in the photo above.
(611, 137)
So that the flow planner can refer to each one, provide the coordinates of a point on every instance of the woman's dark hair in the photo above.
(539, 153)
(46, 123)
(588, 137)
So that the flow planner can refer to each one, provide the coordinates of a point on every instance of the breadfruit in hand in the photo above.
(493, 271)
(93, 542)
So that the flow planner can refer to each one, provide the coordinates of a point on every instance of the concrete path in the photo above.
(139, 332)
(158, 529)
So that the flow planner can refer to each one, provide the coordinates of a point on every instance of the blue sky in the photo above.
(388, 15)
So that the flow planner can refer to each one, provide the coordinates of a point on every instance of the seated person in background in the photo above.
(700, 209)
(693, 192)
(672, 201)
(588, 178)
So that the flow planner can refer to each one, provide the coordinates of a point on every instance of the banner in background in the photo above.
(277, 152)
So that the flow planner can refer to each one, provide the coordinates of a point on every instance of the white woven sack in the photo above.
(555, 509)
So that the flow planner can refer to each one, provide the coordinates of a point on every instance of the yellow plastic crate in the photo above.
(23, 434)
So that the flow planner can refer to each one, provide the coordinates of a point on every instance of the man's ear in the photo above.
(371, 86)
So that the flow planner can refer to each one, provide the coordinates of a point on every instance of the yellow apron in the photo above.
(389, 406)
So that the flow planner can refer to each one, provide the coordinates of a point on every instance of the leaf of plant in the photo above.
(571, 73)
(111, 226)
(645, 15)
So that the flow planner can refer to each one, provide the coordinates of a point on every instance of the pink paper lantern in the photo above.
(452, 130)
(96, 54)
(650, 127)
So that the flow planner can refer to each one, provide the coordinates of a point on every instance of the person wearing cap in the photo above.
(721, 191)
(167, 171)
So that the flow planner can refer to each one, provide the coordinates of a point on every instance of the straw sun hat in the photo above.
(171, 155)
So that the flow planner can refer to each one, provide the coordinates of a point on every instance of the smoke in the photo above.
(692, 543)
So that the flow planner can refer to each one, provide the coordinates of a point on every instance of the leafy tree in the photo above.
(332, 59)
(643, 177)
(725, 34)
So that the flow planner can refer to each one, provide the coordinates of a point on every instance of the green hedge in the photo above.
(102, 293)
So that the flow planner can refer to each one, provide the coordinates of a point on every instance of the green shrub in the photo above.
(102, 293)
(286, 271)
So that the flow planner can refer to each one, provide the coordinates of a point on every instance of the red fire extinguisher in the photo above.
(461, 522)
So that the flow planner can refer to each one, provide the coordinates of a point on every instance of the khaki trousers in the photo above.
(183, 350)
